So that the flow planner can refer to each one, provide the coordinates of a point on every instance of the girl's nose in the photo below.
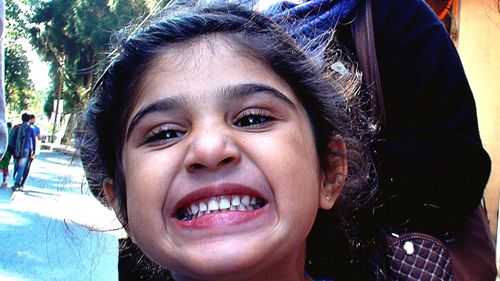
(211, 150)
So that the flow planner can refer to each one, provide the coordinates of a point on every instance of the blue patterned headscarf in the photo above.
(309, 22)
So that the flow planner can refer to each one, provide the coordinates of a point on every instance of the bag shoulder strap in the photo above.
(364, 41)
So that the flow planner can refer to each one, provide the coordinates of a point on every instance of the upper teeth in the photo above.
(220, 203)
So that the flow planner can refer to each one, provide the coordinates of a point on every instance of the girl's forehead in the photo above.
(203, 52)
(201, 66)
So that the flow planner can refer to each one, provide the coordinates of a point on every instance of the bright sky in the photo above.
(39, 71)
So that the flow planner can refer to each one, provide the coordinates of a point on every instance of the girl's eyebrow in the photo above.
(240, 91)
(159, 105)
(229, 94)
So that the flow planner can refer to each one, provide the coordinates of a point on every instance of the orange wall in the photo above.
(479, 48)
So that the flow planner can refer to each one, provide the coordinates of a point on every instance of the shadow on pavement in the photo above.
(37, 238)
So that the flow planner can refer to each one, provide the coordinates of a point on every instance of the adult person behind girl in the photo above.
(431, 163)
(216, 140)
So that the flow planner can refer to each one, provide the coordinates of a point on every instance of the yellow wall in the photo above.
(479, 48)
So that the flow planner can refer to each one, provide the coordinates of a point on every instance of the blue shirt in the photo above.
(30, 139)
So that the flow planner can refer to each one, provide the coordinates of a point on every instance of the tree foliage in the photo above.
(18, 86)
(72, 36)
(19, 89)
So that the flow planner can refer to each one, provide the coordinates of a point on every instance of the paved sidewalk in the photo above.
(44, 230)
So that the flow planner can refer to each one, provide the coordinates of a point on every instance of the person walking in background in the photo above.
(11, 143)
(37, 134)
(5, 161)
(23, 145)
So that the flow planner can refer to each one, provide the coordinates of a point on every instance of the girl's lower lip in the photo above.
(221, 219)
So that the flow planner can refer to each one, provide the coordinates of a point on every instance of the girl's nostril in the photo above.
(226, 161)
(202, 166)
(195, 167)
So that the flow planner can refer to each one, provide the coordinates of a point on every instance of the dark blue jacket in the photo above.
(24, 140)
(432, 166)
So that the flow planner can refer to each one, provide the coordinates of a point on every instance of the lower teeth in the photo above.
(181, 214)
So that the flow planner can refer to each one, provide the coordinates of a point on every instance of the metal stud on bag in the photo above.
(409, 248)
(418, 256)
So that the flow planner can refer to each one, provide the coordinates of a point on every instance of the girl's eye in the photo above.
(253, 118)
(163, 135)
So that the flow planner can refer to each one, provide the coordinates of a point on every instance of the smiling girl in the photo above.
(222, 149)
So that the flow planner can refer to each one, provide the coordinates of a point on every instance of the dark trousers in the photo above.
(19, 167)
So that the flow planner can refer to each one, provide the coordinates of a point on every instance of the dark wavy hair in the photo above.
(341, 238)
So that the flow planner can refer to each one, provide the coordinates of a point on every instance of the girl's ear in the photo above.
(109, 191)
(335, 173)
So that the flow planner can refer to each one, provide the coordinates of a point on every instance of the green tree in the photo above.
(73, 37)
(18, 86)
(19, 89)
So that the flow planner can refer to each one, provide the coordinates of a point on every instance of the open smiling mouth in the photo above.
(219, 204)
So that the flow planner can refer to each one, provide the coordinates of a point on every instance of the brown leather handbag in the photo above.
(470, 256)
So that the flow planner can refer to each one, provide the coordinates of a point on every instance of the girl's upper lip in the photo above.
(215, 190)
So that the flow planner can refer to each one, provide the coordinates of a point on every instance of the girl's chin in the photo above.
(256, 260)
(223, 267)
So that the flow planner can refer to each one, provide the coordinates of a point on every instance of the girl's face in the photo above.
(222, 175)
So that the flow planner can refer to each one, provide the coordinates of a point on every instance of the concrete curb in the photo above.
(61, 148)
